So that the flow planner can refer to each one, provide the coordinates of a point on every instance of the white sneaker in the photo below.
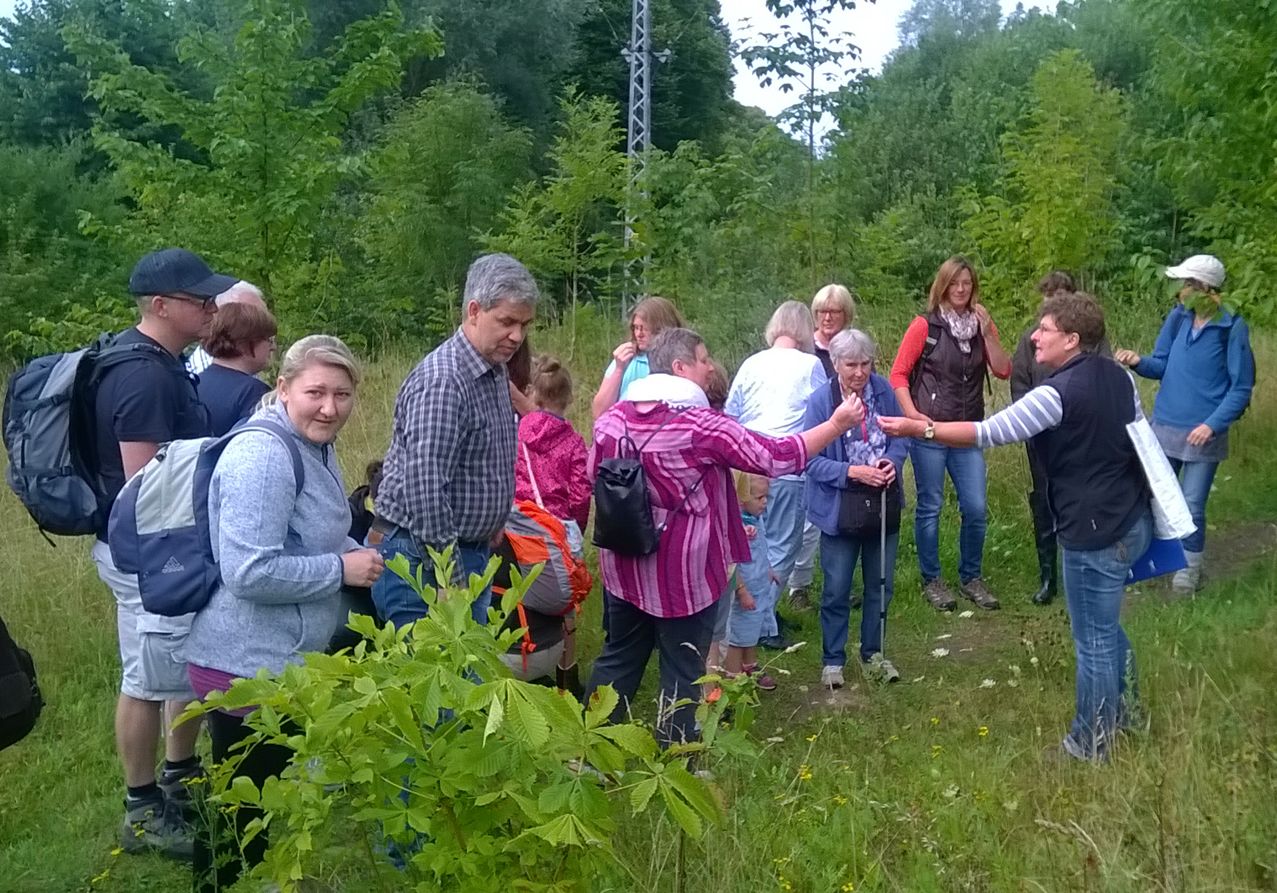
(831, 677)
(1189, 579)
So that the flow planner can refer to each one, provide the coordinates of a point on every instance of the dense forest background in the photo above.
(352, 156)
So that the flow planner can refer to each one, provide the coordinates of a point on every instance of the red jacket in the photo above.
(557, 456)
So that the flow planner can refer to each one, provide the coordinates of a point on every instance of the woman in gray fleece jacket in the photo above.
(284, 557)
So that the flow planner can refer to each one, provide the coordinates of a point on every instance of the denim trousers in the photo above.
(839, 556)
(967, 471)
(786, 514)
(395, 599)
(1195, 479)
(682, 643)
(1094, 581)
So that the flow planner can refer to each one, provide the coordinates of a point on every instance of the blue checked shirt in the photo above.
(449, 473)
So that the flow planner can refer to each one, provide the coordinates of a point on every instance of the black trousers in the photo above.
(218, 860)
(682, 643)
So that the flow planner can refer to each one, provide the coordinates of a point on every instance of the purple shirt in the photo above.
(688, 571)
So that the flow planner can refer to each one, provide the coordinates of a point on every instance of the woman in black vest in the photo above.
(939, 375)
(1098, 496)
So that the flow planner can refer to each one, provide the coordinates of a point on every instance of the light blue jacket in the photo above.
(279, 554)
(1207, 375)
(827, 471)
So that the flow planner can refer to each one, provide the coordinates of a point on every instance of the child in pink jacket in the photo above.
(550, 466)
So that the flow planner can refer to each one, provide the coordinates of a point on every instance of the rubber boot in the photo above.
(1048, 554)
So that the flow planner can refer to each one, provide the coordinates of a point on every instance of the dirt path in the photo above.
(1229, 554)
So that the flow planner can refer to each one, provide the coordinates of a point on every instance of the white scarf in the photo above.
(962, 326)
(679, 393)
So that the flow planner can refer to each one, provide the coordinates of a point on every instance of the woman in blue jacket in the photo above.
(868, 460)
(1204, 361)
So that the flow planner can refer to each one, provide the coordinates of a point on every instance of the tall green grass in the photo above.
(938, 783)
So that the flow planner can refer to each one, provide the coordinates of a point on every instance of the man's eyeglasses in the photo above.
(192, 299)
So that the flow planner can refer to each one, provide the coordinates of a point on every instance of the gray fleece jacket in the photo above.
(279, 554)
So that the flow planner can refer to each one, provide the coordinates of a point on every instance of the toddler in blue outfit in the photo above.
(752, 614)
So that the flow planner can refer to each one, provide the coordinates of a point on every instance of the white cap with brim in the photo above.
(1205, 268)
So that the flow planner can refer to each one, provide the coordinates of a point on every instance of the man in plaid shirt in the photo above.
(449, 473)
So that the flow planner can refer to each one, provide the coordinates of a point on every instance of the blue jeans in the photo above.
(838, 558)
(1094, 581)
(786, 512)
(1195, 479)
(395, 599)
(966, 469)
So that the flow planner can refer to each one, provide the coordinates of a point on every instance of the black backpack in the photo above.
(20, 700)
(622, 511)
(49, 433)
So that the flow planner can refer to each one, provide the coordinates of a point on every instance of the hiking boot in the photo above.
(831, 677)
(1188, 580)
(177, 787)
(881, 668)
(151, 825)
(939, 595)
(800, 599)
(975, 590)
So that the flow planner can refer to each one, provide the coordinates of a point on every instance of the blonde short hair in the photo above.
(838, 295)
(792, 318)
(327, 350)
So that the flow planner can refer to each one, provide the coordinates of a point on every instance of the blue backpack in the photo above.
(50, 435)
(159, 526)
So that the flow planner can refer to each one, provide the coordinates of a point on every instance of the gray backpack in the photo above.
(50, 436)
(159, 525)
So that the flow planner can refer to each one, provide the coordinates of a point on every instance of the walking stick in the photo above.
(882, 575)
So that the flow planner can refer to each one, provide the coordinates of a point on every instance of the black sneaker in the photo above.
(774, 643)
(151, 827)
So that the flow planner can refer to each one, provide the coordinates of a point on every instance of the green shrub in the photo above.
(421, 738)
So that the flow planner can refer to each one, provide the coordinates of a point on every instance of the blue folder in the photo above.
(1162, 557)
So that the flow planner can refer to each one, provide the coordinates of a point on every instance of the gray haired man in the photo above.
(449, 473)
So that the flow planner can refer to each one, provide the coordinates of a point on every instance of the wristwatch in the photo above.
(929, 433)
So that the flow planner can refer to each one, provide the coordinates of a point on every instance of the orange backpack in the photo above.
(534, 536)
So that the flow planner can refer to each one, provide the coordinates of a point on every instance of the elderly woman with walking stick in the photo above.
(854, 498)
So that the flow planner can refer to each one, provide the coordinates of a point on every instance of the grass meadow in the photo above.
(937, 783)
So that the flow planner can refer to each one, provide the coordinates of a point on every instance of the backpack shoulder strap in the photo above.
(672, 416)
(299, 471)
(934, 332)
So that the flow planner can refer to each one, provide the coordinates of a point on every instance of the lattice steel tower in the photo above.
(638, 140)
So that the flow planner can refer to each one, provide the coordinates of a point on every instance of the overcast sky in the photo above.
(873, 29)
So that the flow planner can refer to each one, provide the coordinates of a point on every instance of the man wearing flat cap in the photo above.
(138, 405)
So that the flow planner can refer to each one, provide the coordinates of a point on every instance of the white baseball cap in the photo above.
(1205, 268)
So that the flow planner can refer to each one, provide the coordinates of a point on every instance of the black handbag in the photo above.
(860, 509)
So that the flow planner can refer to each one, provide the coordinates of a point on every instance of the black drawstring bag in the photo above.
(622, 512)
